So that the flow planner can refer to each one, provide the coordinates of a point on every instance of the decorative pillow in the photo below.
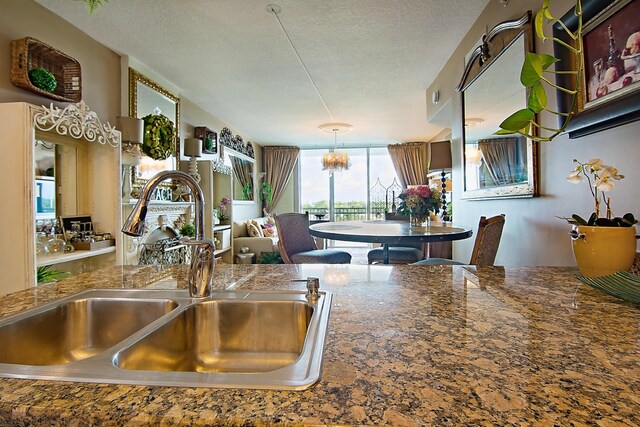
(269, 230)
(271, 220)
(254, 229)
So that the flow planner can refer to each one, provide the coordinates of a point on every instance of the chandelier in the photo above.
(335, 160)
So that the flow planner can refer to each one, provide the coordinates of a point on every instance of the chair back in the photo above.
(293, 235)
(487, 241)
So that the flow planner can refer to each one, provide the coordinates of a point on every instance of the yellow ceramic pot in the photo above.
(600, 251)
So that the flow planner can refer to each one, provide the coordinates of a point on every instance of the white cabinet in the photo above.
(97, 190)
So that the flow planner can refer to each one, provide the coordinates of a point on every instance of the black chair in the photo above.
(398, 254)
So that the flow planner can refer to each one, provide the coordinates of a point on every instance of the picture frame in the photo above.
(614, 104)
(203, 133)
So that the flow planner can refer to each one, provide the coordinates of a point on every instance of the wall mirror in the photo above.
(497, 166)
(243, 176)
(148, 97)
(60, 173)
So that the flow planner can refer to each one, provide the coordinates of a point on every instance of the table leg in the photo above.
(385, 253)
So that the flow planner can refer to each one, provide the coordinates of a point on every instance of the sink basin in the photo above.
(75, 330)
(224, 336)
(233, 339)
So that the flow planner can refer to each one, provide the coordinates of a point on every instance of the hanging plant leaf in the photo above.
(537, 98)
(518, 120)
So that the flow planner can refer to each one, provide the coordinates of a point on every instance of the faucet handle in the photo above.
(313, 285)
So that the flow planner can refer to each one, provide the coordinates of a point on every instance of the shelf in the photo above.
(72, 256)
(221, 227)
(221, 251)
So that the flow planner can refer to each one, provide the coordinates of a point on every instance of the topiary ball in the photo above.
(43, 79)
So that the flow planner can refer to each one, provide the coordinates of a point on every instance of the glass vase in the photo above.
(418, 220)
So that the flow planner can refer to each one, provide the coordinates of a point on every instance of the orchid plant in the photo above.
(224, 203)
(601, 180)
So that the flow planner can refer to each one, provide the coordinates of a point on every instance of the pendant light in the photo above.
(335, 160)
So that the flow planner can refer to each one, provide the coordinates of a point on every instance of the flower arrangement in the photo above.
(417, 202)
(224, 203)
(601, 180)
(159, 136)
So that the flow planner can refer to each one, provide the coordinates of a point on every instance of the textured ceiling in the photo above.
(372, 60)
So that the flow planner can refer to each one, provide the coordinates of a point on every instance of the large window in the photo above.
(358, 193)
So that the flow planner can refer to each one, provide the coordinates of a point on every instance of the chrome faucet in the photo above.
(202, 258)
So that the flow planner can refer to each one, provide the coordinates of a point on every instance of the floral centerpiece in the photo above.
(601, 245)
(222, 207)
(418, 202)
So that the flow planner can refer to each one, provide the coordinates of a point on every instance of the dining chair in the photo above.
(297, 245)
(398, 254)
(485, 246)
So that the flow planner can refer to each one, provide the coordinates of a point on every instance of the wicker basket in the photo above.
(29, 53)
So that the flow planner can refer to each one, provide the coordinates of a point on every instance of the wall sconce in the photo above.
(193, 149)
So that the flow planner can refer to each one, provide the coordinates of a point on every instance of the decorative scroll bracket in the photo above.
(77, 121)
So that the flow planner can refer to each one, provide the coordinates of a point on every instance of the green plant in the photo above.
(208, 144)
(92, 5)
(43, 79)
(534, 77)
(188, 229)
(47, 273)
(601, 180)
(247, 191)
(266, 192)
(270, 258)
(159, 136)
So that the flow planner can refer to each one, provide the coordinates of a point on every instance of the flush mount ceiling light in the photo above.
(334, 160)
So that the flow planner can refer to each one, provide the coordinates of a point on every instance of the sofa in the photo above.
(256, 245)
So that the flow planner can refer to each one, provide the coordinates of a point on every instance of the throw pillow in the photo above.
(269, 230)
(254, 229)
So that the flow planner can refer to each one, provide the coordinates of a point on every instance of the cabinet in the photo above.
(97, 191)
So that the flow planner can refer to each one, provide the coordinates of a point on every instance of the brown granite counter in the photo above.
(407, 345)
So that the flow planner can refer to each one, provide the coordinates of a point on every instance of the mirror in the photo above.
(147, 97)
(243, 182)
(497, 166)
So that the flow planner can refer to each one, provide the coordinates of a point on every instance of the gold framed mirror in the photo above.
(148, 97)
(497, 166)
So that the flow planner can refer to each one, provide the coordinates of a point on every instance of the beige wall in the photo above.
(533, 234)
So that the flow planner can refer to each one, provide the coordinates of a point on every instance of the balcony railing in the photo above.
(346, 214)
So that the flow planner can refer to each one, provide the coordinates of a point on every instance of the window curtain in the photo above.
(242, 171)
(501, 158)
(411, 162)
(278, 165)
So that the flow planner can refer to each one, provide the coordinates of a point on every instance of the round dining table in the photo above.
(389, 232)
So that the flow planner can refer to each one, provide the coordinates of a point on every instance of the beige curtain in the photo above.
(501, 157)
(278, 164)
(242, 171)
(411, 161)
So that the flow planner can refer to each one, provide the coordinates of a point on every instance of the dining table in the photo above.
(389, 233)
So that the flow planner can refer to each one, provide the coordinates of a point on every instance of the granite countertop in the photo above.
(407, 345)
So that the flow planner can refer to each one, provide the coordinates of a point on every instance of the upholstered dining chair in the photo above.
(398, 254)
(297, 245)
(485, 246)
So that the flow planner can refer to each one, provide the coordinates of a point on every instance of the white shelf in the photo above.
(221, 227)
(72, 256)
(221, 251)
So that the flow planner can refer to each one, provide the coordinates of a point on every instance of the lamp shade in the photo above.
(192, 147)
(440, 155)
(131, 128)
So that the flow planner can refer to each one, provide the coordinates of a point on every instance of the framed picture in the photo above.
(610, 83)
(209, 139)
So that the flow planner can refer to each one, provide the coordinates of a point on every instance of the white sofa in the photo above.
(256, 245)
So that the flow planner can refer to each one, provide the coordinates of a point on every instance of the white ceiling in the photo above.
(372, 60)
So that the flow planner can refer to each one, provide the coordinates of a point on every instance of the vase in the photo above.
(418, 220)
(600, 251)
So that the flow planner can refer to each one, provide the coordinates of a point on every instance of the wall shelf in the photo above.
(72, 256)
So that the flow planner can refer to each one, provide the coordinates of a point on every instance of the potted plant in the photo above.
(605, 244)
(222, 207)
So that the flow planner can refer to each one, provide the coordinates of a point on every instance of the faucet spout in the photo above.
(202, 256)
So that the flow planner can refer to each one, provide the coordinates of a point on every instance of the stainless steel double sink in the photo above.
(234, 339)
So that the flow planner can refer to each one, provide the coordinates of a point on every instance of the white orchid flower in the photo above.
(594, 164)
(575, 177)
(610, 172)
(605, 183)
